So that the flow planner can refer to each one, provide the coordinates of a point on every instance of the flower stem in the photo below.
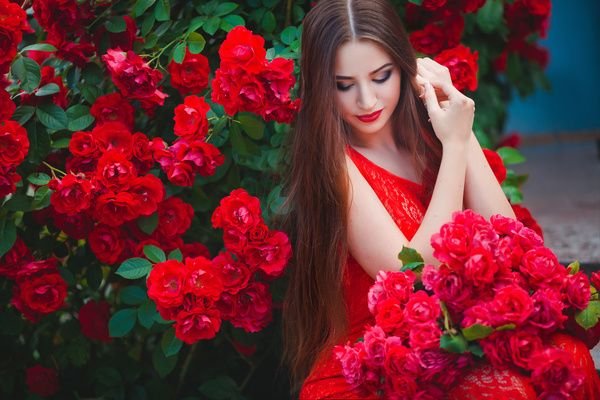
(54, 169)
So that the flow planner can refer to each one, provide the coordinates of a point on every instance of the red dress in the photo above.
(404, 200)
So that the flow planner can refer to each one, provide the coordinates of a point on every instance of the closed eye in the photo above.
(386, 75)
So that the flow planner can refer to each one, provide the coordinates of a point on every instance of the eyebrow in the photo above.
(370, 73)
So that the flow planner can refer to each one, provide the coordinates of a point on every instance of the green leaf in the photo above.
(41, 198)
(8, 234)
(94, 276)
(39, 47)
(79, 117)
(154, 253)
(220, 388)
(179, 53)
(27, 73)
(52, 116)
(408, 255)
(514, 195)
(163, 365)
(268, 22)
(61, 143)
(490, 16)
(115, 24)
(47, 89)
(133, 295)
(225, 8)
(230, 21)
(412, 266)
(510, 155)
(476, 332)
(90, 92)
(141, 6)
(211, 25)
(147, 314)
(176, 255)
(289, 34)
(122, 322)
(196, 43)
(276, 201)
(270, 3)
(588, 318)
(39, 178)
(506, 327)
(162, 11)
(573, 267)
(196, 23)
(39, 142)
(454, 344)
(23, 113)
(252, 125)
(134, 268)
(476, 350)
(18, 202)
(170, 344)
(148, 223)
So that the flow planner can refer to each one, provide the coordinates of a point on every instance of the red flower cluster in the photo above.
(246, 81)
(190, 153)
(13, 22)
(191, 76)
(39, 288)
(462, 63)
(41, 380)
(496, 164)
(14, 145)
(525, 17)
(134, 78)
(496, 279)
(93, 320)
(59, 98)
(199, 293)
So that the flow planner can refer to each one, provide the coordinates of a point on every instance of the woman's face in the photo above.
(368, 87)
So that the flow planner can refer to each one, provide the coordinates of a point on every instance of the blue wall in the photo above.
(573, 104)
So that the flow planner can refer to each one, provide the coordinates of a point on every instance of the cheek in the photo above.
(344, 103)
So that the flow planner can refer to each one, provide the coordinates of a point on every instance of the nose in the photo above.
(366, 98)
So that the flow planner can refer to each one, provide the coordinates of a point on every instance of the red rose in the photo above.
(547, 310)
(524, 215)
(166, 283)
(11, 262)
(480, 269)
(72, 194)
(41, 380)
(234, 274)
(81, 165)
(496, 164)
(39, 294)
(195, 250)
(191, 76)
(114, 136)
(525, 16)
(435, 362)
(13, 21)
(554, 370)
(278, 79)
(7, 106)
(225, 89)
(180, 174)
(577, 290)
(190, 118)
(541, 268)
(134, 78)
(253, 308)
(78, 53)
(83, 144)
(421, 308)
(462, 63)
(201, 279)
(197, 324)
(595, 279)
(282, 113)
(496, 348)
(174, 217)
(452, 244)
(352, 363)
(450, 287)
(149, 191)
(470, 6)
(77, 226)
(478, 314)
(389, 316)
(425, 336)
(238, 211)
(391, 284)
(116, 209)
(523, 345)
(93, 320)
(113, 107)
(511, 304)
(374, 346)
(59, 17)
(14, 143)
(271, 255)
(107, 243)
(204, 157)
(432, 5)
(114, 171)
(429, 40)
(243, 50)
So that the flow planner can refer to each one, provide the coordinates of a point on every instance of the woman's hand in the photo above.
(450, 111)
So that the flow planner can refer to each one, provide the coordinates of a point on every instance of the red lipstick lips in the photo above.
(370, 117)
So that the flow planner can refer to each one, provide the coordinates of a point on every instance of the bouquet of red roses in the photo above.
(498, 293)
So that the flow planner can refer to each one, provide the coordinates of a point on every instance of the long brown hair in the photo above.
(317, 184)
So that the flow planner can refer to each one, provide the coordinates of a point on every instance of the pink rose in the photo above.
(577, 290)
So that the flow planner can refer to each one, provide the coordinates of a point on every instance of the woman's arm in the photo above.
(483, 193)
(373, 237)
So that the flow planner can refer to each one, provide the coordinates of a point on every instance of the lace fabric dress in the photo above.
(404, 200)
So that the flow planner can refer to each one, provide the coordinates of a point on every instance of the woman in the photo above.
(382, 155)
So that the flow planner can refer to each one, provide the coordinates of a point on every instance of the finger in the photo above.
(444, 104)
(431, 101)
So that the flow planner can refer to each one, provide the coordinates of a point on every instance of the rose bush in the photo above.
(140, 168)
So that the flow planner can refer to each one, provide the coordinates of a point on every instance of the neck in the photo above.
(382, 140)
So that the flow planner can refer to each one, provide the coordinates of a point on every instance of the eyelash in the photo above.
(380, 81)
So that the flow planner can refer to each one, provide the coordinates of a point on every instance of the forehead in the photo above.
(359, 57)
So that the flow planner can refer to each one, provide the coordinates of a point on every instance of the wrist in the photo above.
(455, 146)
